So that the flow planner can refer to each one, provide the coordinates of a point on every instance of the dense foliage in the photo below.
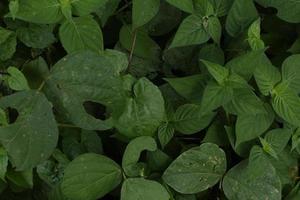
(149, 99)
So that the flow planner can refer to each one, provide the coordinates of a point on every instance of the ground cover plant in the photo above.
(149, 99)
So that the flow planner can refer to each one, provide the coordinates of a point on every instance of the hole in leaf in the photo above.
(13, 115)
(95, 109)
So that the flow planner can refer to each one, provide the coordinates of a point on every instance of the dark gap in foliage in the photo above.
(95, 109)
(13, 115)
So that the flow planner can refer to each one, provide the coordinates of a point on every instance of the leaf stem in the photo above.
(67, 125)
(132, 49)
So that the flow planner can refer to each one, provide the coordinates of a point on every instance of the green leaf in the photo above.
(144, 47)
(16, 79)
(214, 29)
(3, 163)
(286, 104)
(287, 10)
(240, 16)
(196, 169)
(3, 118)
(20, 180)
(165, 133)
(86, 76)
(14, 8)
(190, 119)
(106, 10)
(218, 72)
(212, 53)
(204, 8)
(33, 136)
(143, 111)
(245, 131)
(190, 87)
(214, 96)
(85, 7)
(278, 139)
(266, 76)
(143, 11)
(185, 5)
(221, 7)
(82, 33)
(40, 12)
(142, 189)
(190, 32)
(36, 36)
(254, 179)
(291, 72)
(8, 43)
(90, 176)
(254, 39)
(130, 164)
(91, 141)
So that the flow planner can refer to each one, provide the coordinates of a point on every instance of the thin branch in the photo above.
(132, 49)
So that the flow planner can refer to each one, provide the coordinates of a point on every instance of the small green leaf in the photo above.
(142, 189)
(14, 7)
(214, 29)
(16, 79)
(165, 133)
(90, 176)
(8, 44)
(291, 72)
(3, 163)
(197, 169)
(130, 164)
(218, 72)
(190, 32)
(254, 39)
(86, 7)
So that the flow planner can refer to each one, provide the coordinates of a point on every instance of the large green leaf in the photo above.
(190, 32)
(86, 76)
(41, 12)
(286, 104)
(190, 118)
(8, 43)
(143, 11)
(185, 5)
(143, 112)
(33, 136)
(142, 189)
(81, 33)
(288, 10)
(90, 176)
(196, 169)
(252, 180)
(85, 7)
(130, 164)
(291, 72)
(240, 16)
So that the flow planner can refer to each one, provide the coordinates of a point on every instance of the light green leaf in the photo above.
(185, 5)
(36, 36)
(13, 8)
(190, 87)
(291, 72)
(254, 39)
(85, 7)
(32, 138)
(143, 111)
(131, 156)
(218, 72)
(214, 28)
(142, 189)
(190, 119)
(266, 76)
(90, 176)
(190, 32)
(240, 16)
(197, 169)
(82, 33)
(8, 43)
(16, 79)
(287, 10)
(143, 11)
(254, 179)
(86, 76)
(245, 131)
(40, 12)
(286, 104)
